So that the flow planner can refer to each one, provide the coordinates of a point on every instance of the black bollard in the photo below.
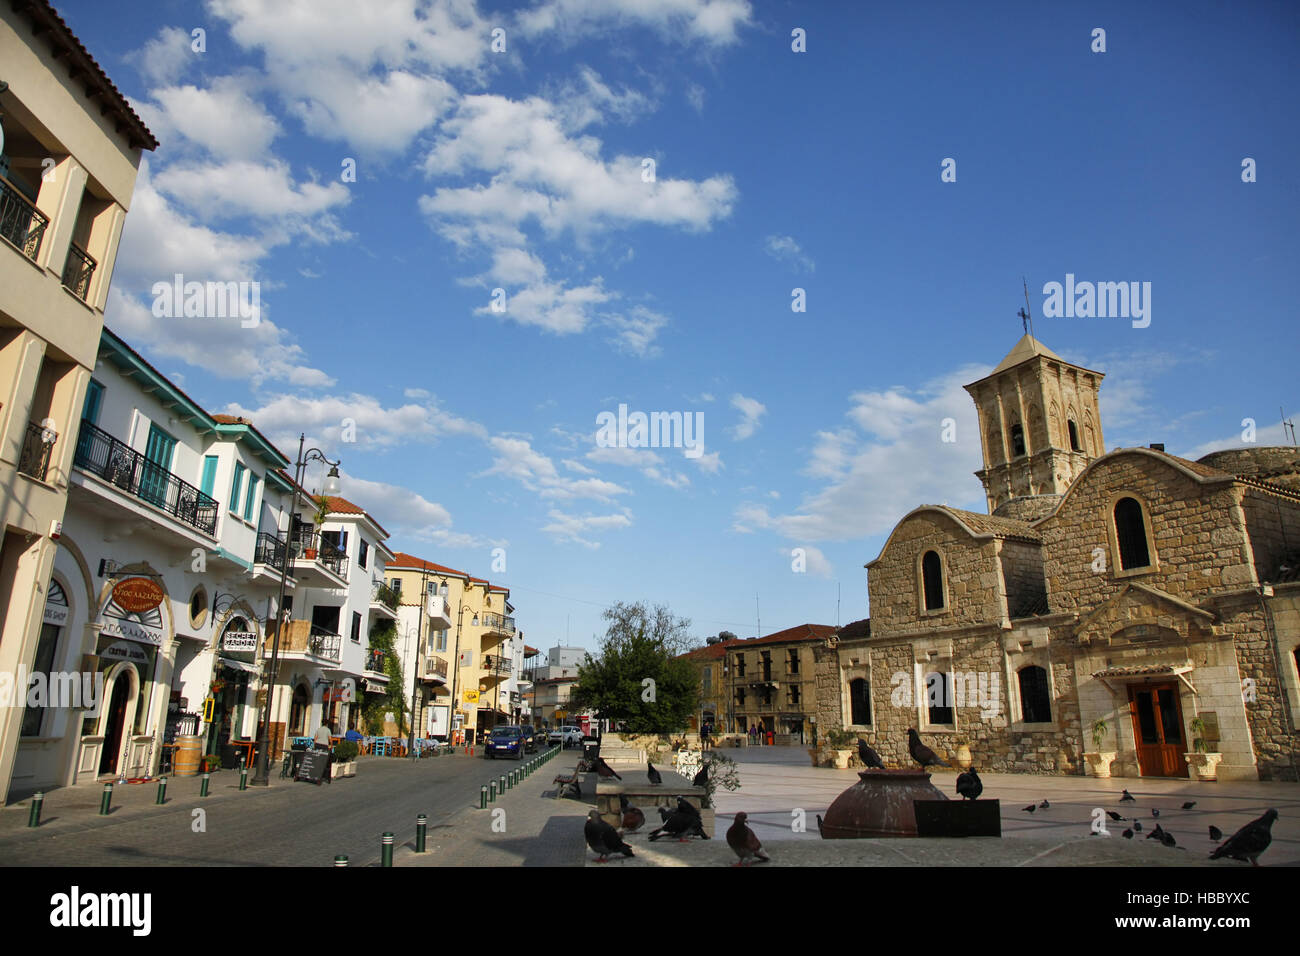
(421, 830)
(203, 785)
(341, 860)
(105, 800)
(482, 798)
(387, 857)
(34, 815)
(162, 791)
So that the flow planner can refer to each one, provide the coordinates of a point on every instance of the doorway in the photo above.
(116, 722)
(1158, 730)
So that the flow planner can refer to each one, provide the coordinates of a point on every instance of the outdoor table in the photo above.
(247, 747)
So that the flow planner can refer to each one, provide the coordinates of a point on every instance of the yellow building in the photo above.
(466, 646)
(70, 147)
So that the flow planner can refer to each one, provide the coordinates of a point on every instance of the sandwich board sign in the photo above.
(313, 765)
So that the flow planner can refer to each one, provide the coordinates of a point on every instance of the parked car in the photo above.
(509, 740)
(566, 736)
(539, 737)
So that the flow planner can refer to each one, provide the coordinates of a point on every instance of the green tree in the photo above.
(382, 637)
(639, 679)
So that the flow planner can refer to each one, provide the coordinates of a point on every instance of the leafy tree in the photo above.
(382, 637)
(640, 643)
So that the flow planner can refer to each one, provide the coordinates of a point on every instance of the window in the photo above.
(740, 665)
(1131, 535)
(251, 498)
(365, 552)
(156, 470)
(859, 701)
(792, 665)
(209, 480)
(34, 716)
(396, 585)
(442, 640)
(237, 486)
(1074, 436)
(356, 627)
(794, 693)
(740, 696)
(1017, 440)
(94, 398)
(198, 606)
(932, 579)
(708, 677)
(1035, 697)
(938, 695)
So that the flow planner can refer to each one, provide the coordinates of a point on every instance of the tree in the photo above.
(382, 638)
(639, 679)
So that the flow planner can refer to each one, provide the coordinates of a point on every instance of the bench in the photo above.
(566, 781)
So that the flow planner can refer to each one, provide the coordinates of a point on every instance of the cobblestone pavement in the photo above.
(287, 824)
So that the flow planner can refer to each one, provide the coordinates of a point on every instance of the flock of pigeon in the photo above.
(684, 822)
(1246, 844)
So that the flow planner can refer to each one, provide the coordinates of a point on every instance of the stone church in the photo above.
(1130, 605)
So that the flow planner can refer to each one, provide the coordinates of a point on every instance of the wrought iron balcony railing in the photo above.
(38, 444)
(375, 661)
(78, 270)
(325, 552)
(269, 550)
(21, 222)
(498, 622)
(496, 664)
(99, 453)
(383, 594)
(435, 667)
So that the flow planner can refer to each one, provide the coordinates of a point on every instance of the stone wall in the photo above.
(1022, 574)
(1273, 523)
(1270, 735)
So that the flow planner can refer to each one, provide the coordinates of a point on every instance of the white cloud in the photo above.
(568, 527)
(517, 459)
(163, 59)
(256, 190)
(785, 249)
(635, 333)
(695, 96)
(396, 508)
(710, 462)
(712, 22)
(815, 562)
(751, 410)
(645, 460)
(222, 118)
(589, 100)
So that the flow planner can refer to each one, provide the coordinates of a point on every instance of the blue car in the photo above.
(508, 740)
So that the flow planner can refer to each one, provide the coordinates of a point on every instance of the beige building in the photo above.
(68, 161)
(1123, 611)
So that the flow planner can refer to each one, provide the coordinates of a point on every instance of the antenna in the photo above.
(837, 605)
(757, 616)
(1026, 314)
(1287, 423)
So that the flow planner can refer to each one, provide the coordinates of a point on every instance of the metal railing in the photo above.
(498, 622)
(78, 270)
(21, 222)
(269, 549)
(38, 444)
(99, 453)
(326, 553)
(435, 666)
(375, 661)
(383, 594)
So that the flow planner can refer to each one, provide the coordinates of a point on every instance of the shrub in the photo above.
(345, 751)
(841, 739)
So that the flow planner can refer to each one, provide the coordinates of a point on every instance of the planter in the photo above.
(309, 554)
(1099, 763)
(881, 804)
(343, 769)
(1203, 766)
(961, 756)
(842, 758)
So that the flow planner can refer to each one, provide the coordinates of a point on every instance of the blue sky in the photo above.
(774, 170)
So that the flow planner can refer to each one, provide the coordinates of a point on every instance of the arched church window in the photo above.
(932, 580)
(1131, 535)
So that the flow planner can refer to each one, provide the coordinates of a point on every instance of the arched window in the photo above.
(938, 695)
(1131, 535)
(859, 701)
(1035, 697)
(1074, 437)
(932, 580)
(1017, 440)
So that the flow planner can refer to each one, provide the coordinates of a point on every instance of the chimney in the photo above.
(1157, 446)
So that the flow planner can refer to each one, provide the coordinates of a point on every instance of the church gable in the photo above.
(1138, 615)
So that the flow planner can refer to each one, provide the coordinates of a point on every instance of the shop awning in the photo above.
(237, 665)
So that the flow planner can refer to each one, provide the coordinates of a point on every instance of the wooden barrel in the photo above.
(188, 749)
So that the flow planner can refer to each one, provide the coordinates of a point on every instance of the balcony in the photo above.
(317, 563)
(38, 445)
(435, 670)
(21, 222)
(498, 624)
(269, 550)
(78, 270)
(102, 455)
(375, 661)
(495, 668)
(304, 641)
(439, 612)
(383, 600)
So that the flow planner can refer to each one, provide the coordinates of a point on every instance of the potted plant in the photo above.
(1203, 764)
(345, 757)
(1099, 760)
(211, 763)
(841, 743)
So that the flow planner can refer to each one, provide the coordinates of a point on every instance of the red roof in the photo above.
(404, 560)
(801, 632)
(341, 506)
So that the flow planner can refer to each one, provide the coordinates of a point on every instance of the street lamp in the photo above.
(415, 664)
(455, 663)
(331, 487)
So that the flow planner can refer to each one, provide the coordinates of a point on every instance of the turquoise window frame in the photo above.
(237, 487)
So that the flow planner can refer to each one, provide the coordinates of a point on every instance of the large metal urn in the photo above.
(879, 805)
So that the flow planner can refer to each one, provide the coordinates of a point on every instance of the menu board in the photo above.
(313, 766)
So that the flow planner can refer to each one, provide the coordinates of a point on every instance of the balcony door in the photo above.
(157, 466)
(1158, 729)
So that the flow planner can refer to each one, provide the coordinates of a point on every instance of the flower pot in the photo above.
(1203, 766)
(842, 759)
(309, 553)
(1099, 763)
(961, 755)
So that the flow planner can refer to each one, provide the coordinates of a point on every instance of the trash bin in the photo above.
(590, 748)
(770, 738)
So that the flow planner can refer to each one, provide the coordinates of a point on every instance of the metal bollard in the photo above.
(243, 778)
(203, 785)
(105, 800)
(501, 785)
(421, 829)
(482, 798)
(162, 791)
(492, 791)
(387, 852)
(34, 816)
(341, 860)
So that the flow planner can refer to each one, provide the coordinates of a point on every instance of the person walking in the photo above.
(322, 741)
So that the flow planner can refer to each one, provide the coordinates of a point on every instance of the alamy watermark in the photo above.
(656, 430)
(1102, 300)
(79, 690)
(208, 300)
(982, 689)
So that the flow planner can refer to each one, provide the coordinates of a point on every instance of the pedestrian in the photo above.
(322, 741)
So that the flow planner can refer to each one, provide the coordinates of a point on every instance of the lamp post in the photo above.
(331, 487)
(455, 664)
(419, 647)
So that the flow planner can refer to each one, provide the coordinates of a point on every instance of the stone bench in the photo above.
(640, 792)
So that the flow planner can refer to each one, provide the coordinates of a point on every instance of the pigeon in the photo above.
(702, 778)
(1155, 812)
(1215, 833)
(1127, 798)
(742, 839)
(655, 776)
(1029, 809)
(920, 752)
(1189, 804)
(665, 813)
(869, 756)
(820, 827)
(1137, 826)
(603, 838)
(1115, 816)
(1156, 834)
(969, 785)
(1248, 842)
(680, 825)
(633, 817)
(685, 806)
(605, 770)
(1044, 805)
(1128, 834)
(1167, 838)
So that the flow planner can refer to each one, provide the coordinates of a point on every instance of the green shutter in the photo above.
(209, 474)
(252, 496)
(234, 489)
(94, 397)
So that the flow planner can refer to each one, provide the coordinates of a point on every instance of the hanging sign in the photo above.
(132, 631)
(137, 595)
(471, 697)
(239, 641)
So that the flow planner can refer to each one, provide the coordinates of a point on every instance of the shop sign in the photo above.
(137, 595)
(56, 614)
(471, 697)
(125, 651)
(239, 641)
(132, 631)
